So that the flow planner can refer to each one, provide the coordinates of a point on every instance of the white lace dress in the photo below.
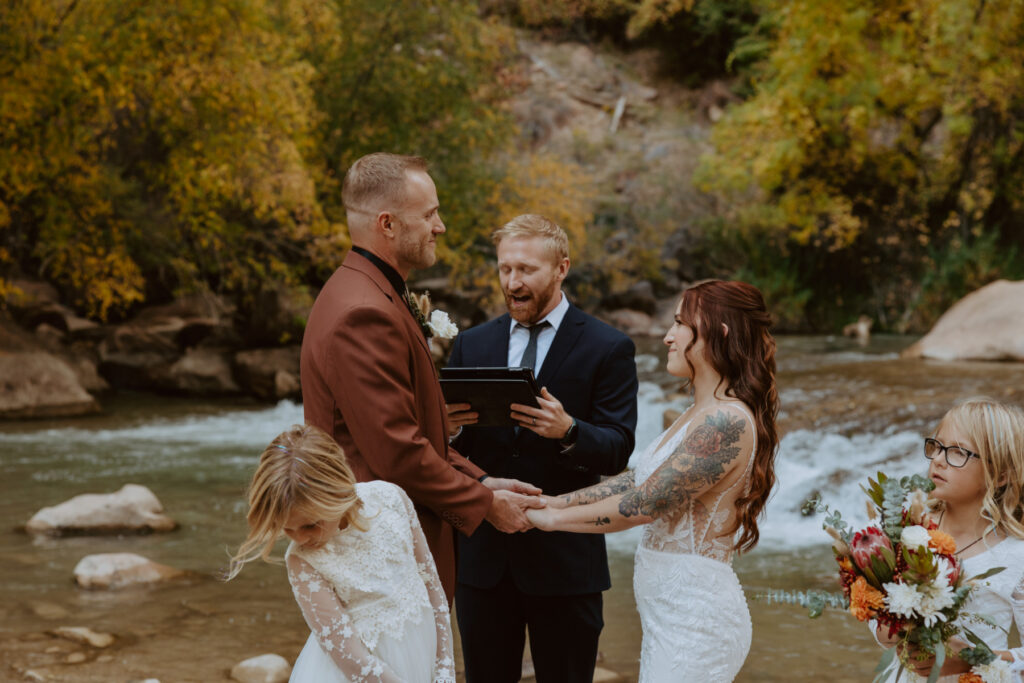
(1001, 598)
(372, 600)
(696, 625)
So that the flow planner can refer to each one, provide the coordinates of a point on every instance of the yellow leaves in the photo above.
(651, 12)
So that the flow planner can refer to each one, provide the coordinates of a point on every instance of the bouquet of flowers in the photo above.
(903, 572)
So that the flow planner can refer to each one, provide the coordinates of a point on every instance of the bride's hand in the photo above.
(542, 518)
(555, 502)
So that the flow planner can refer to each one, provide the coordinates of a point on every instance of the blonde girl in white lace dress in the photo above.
(699, 488)
(977, 463)
(358, 564)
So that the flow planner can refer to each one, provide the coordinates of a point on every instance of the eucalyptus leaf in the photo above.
(986, 574)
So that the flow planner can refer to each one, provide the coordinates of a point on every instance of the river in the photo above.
(847, 412)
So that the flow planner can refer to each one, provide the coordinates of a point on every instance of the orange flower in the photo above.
(864, 599)
(941, 542)
(845, 563)
(970, 677)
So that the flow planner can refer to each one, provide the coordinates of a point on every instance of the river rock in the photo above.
(639, 297)
(133, 509)
(987, 324)
(49, 610)
(200, 372)
(140, 353)
(118, 570)
(84, 636)
(633, 323)
(39, 384)
(262, 669)
(270, 374)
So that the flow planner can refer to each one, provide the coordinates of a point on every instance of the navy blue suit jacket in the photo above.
(590, 368)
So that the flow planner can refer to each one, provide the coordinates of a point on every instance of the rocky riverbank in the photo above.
(57, 364)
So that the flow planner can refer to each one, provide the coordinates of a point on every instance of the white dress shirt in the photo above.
(520, 336)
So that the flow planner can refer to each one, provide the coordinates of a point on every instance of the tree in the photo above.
(881, 136)
(151, 146)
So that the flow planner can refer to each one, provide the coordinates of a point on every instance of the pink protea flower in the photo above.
(868, 543)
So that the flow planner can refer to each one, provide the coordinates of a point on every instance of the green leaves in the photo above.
(879, 134)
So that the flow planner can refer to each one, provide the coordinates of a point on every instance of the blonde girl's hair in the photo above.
(996, 430)
(303, 469)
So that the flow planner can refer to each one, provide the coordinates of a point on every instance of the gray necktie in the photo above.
(530, 354)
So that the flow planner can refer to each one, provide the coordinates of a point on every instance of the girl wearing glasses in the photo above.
(977, 463)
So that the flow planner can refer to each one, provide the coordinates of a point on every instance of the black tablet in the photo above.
(490, 391)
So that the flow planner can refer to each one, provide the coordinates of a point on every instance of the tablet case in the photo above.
(490, 391)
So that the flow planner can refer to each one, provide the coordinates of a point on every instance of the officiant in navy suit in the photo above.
(547, 584)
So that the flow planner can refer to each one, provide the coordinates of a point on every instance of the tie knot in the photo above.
(534, 330)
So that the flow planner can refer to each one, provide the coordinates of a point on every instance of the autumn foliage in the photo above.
(147, 149)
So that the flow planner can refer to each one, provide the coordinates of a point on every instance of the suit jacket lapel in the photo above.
(565, 339)
(363, 265)
(497, 348)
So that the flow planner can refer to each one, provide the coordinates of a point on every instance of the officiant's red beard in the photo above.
(527, 306)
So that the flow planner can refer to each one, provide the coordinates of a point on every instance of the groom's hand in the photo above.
(507, 510)
(514, 485)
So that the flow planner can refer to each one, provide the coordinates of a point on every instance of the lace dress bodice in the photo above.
(364, 584)
(702, 527)
(1001, 596)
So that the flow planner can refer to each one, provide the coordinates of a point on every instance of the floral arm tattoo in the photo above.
(607, 488)
(698, 463)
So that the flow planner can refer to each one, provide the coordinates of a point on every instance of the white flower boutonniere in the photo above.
(441, 325)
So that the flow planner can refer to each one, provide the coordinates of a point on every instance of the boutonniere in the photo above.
(419, 306)
(442, 326)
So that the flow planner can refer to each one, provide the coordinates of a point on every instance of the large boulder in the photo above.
(39, 384)
(120, 570)
(133, 509)
(987, 324)
(200, 372)
(144, 353)
(269, 374)
(262, 669)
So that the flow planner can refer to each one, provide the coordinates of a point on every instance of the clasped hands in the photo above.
(512, 500)
(519, 506)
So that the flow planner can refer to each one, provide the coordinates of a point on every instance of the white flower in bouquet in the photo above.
(936, 597)
(914, 537)
(996, 671)
(441, 325)
(902, 599)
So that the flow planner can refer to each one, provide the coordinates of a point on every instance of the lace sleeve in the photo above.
(330, 622)
(444, 661)
(1017, 603)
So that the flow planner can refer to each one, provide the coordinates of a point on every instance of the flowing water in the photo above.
(847, 413)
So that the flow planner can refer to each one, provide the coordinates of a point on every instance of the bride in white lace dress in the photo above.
(358, 564)
(977, 463)
(699, 488)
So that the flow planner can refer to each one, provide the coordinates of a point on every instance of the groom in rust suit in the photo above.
(368, 378)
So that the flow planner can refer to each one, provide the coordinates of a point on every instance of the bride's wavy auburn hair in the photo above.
(302, 470)
(745, 359)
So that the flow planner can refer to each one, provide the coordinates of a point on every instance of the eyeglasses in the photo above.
(955, 455)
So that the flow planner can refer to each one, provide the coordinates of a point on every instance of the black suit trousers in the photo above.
(493, 623)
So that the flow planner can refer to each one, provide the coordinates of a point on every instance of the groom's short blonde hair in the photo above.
(535, 225)
(378, 180)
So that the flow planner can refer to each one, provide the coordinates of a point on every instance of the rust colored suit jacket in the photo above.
(369, 381)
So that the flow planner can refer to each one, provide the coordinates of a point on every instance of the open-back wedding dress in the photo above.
(696, 626)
